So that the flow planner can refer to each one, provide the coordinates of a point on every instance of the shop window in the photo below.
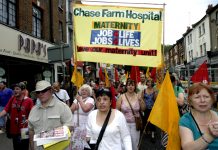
(8, 12)
(37, 22)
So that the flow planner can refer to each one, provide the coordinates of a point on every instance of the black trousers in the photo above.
(150, 127)
(20, 144)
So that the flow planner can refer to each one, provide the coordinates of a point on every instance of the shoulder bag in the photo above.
(95, 146)
(8, 121)
(138, 120)
(58, 97)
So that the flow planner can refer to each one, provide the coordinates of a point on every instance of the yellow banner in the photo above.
(118, 35)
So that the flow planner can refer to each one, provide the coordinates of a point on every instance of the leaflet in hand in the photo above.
(54, 135)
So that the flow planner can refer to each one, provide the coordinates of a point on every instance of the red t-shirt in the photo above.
(17, 108)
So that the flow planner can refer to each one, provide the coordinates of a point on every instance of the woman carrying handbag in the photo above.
(131, 104)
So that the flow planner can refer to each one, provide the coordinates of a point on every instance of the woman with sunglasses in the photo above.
(81, 107)
(130, 97)
(116, 135)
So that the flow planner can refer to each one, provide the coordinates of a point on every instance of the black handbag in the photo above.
(8, 124)
(95, 146)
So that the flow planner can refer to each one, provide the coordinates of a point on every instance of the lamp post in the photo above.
(188, 71)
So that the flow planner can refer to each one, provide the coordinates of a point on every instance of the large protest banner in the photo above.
(118, 35)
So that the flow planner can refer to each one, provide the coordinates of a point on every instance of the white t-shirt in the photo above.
(63, 95)
(141, 87)
(115, 135)
(82, 115)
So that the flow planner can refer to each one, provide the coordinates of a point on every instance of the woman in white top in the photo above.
(81, 107)
(116, 135)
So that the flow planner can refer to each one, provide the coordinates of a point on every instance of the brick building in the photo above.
(27, 29)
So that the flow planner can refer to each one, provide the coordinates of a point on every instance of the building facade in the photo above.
(27, 29)
(198, 44)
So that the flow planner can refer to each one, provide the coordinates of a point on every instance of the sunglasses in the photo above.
(43, 91)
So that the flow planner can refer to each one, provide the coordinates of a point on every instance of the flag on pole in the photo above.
(101, 75)
(159, 74)
(77, 78)
(135, 74)
(127, 75)
(116, 76)
(201, 75)
(107, 81)
(165, 114)
(153, 74)
(113, 99)
(148, 74)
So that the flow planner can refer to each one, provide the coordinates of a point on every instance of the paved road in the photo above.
(147, 144)
(5, 143)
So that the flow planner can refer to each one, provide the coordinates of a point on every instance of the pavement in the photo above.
(5, 143)
(146, 142)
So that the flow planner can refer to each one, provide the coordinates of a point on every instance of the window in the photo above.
(199, 30)
(189, 38)
(203, 28)
(201, 51)
(70, 36)
(217, 17)
(37, 22)
(191, 54)
(8, 12)
(60, 3)
(61, 30)
(204, 48)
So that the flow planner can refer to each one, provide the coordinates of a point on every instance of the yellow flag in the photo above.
(77, 78)
(127, 75)
(147, 73)
(165, 114)
(107, 81)
(159, 74)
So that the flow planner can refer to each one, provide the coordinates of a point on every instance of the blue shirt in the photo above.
(5, 95)
(149, 100)
(187, 121)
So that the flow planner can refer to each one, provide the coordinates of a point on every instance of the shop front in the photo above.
(23, 58)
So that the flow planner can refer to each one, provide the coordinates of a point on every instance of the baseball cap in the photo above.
(21, 85)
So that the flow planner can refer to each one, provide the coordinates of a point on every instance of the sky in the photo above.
(179, 14)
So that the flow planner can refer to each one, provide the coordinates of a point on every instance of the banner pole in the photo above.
(117, 2)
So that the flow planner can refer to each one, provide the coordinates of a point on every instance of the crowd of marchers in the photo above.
(105, 118)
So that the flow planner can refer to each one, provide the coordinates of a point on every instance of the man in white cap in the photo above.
(49, 114)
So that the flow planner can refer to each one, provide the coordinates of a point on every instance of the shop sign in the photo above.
(31, 46)
(20, 45)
